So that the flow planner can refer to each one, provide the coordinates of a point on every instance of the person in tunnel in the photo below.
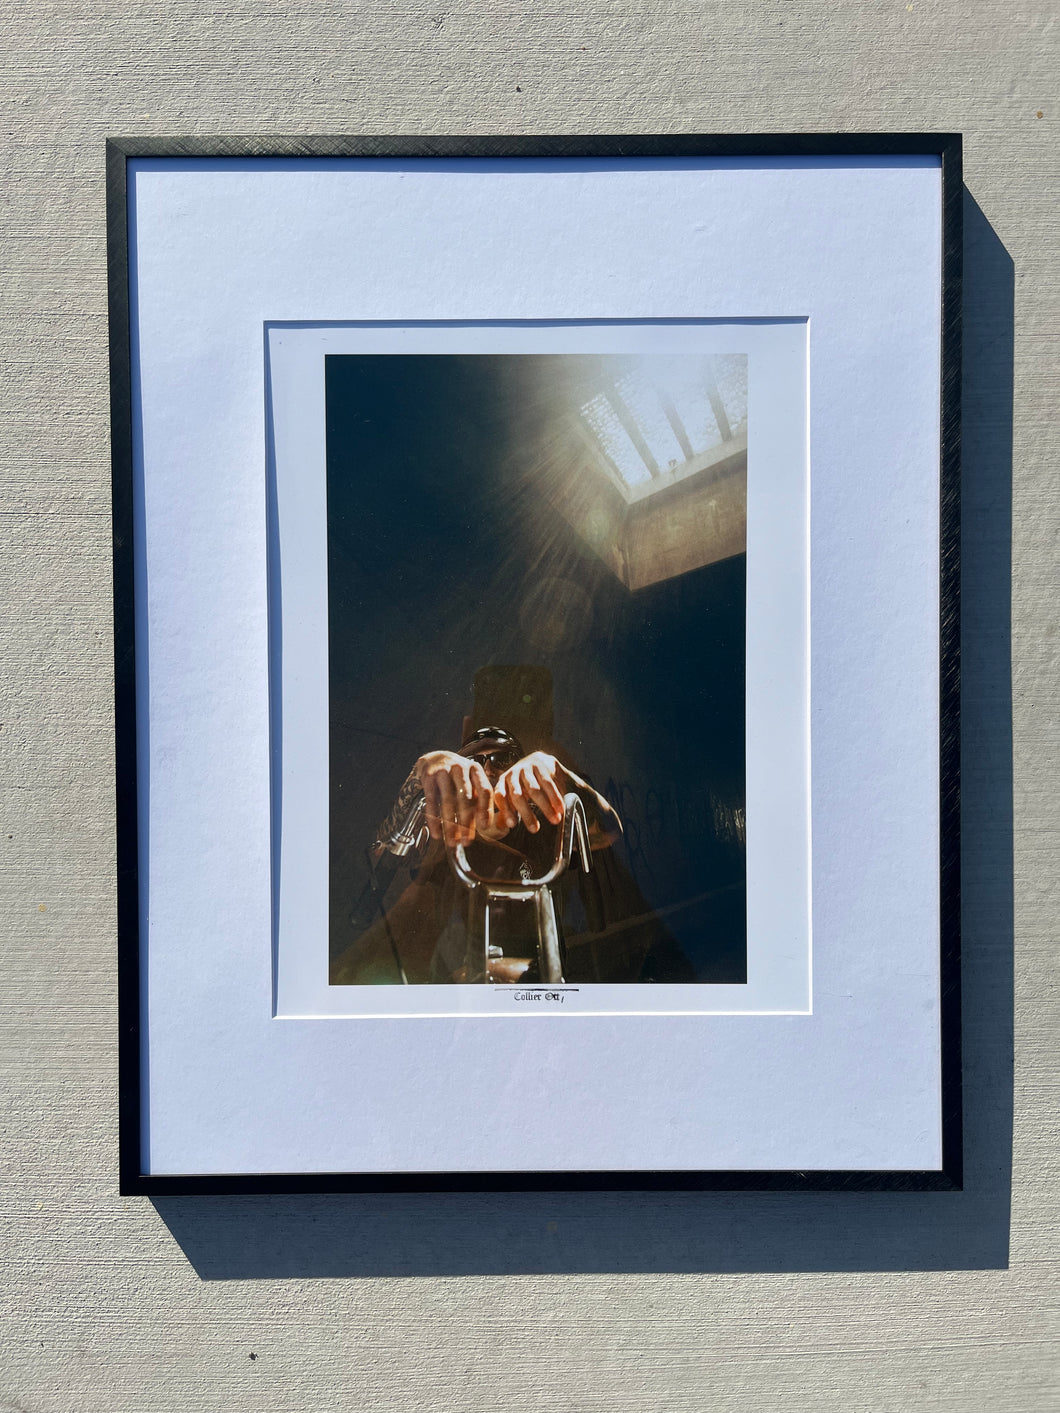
(497, 801)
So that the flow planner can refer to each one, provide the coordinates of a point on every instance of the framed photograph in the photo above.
(536, 640)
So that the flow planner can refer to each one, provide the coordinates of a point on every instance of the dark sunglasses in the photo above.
(496, 760)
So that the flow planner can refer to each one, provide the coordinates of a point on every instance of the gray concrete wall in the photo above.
(684, 1302)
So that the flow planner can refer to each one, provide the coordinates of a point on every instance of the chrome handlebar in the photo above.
(412, 833)
(572, 833)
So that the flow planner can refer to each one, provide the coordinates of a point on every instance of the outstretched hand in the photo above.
(538, 779)
(458, 796)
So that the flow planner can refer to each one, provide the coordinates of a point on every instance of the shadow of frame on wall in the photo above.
(445, 1234)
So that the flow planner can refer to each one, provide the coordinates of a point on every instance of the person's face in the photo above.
(495, 760)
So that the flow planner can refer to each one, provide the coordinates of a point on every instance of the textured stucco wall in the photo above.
(681, 1302)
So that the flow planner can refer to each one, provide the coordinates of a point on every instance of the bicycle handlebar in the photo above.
(573, 831)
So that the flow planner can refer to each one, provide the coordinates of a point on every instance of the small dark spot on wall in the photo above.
(253, 1356)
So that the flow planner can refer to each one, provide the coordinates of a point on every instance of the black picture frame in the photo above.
(947, 147)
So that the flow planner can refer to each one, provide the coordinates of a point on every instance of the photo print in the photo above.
(536, 668)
